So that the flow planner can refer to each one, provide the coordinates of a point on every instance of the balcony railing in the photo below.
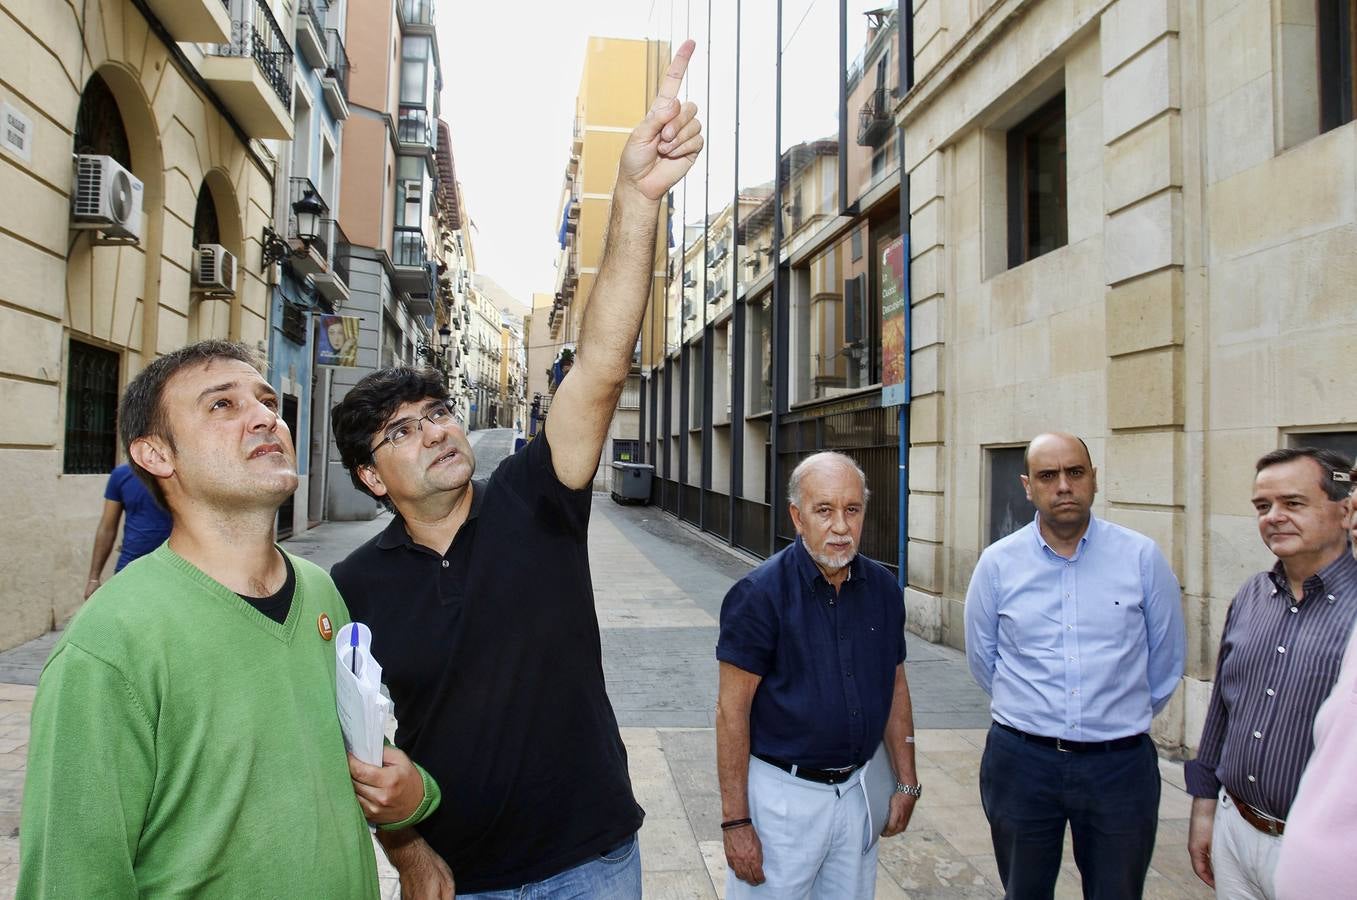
(408, 247)
(874, 119)
(338, 60)
(412, 127)
(417, 13)
(314, 10)
(255, 35)
(341, 249)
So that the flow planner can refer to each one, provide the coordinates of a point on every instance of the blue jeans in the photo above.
(615, 875)
(1110, 800)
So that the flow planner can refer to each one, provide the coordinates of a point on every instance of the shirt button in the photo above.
(445, 563)
(843, 637)
(1270, 692)
(1069, 627)
(855, 713)
(1281, 649)
(1293, 609)
(1252, 779)
(1258, 734)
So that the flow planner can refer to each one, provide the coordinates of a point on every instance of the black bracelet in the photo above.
(736, 823)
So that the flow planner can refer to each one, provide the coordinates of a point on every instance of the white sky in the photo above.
(511, 71)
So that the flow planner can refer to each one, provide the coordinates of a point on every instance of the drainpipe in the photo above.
(905, 16)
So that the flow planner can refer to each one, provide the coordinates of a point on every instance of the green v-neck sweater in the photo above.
(184, 745)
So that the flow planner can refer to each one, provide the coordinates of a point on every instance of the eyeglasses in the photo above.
(400, 434)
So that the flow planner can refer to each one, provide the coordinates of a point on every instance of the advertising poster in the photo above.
(894, 388)
(337, 340)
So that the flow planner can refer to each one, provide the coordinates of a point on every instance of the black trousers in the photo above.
(1110, 800)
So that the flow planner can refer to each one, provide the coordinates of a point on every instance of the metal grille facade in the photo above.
(91, 410)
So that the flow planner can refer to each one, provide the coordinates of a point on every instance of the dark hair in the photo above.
(1329, 460)
(357, 419)
(141, 412)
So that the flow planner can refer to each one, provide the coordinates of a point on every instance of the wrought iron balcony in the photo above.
(333, 284)
(253, 73)
(410, 257)
(311, 31)
(874, 119)
(335, 79)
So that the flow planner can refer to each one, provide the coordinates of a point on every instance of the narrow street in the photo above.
(658, 587)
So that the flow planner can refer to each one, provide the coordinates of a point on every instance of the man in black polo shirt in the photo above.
(812, 678)
(479, 594)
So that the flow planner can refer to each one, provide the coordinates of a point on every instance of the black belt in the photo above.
(819, 776)
(1065, 746)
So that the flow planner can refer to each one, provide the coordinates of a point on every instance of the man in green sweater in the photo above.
(184, 738)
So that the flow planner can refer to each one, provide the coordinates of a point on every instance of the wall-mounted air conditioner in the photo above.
(214, 269)
(107, 197)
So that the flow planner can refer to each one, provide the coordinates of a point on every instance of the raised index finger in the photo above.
(669, 85)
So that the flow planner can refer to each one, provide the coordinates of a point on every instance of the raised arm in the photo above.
(657, 155)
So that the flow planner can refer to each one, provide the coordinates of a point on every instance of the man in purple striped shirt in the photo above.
(1279, 656)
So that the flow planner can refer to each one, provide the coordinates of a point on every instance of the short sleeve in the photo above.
(113, 488)
(749, 629)
(530, 474)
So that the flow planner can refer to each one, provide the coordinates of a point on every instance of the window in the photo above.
(91, 410)
(415, 71)
(1008, 507)
(1037, 215)
(99, 126)
(1337, 61)
(1344, 442)
(206, 229)
(761, 354)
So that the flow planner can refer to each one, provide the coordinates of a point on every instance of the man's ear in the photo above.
(796, 516)
(152, 454)
(1026, 487)
(368, 475)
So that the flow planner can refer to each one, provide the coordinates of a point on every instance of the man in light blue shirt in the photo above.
(1074, 627)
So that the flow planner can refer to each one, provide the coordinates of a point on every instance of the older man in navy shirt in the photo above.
(1074, 627)
(812, 679)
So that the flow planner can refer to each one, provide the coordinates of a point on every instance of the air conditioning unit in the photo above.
(414, 191)
(107, 197)
(214, 269)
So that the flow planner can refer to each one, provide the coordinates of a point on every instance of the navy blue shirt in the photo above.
(145, 524)
(827, 660)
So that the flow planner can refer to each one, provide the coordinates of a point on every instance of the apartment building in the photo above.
(139, 147)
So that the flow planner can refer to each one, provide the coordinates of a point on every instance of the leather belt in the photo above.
(1257, 819)
(1065, 746)
(819, 776)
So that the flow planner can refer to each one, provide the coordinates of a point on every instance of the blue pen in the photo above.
(353, 642)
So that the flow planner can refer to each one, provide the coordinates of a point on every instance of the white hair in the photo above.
(817, 459)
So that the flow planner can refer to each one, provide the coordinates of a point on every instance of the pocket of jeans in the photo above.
(621, 853)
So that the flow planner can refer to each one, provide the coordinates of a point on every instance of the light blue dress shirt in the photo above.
(1085, 649)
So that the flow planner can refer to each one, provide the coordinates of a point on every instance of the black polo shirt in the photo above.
(491, 653)
(827, 660)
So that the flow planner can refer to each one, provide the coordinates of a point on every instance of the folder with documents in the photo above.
(363, 708)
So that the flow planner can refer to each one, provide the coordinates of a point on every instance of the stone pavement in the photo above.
(659, 585)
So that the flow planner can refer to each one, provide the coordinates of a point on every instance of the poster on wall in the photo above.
(337, 340)
(894, 383)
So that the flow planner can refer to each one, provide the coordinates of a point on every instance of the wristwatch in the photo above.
(914, 790)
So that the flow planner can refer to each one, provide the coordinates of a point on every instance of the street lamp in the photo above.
(444, 338)
(308, 209)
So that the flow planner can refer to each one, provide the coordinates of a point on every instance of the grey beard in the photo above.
(835, 562)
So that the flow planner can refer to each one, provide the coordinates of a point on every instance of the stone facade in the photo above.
(134, 300)
(1199, 313)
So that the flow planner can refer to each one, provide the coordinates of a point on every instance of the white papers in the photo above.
(878, 785)
(363, 709)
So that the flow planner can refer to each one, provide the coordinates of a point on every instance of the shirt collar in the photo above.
(1083, 541)
(396, 535)
(1319, 581)
(809, 571)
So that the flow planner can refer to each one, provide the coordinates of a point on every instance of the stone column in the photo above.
(1144, 469)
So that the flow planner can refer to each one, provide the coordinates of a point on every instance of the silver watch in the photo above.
(914, 790)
